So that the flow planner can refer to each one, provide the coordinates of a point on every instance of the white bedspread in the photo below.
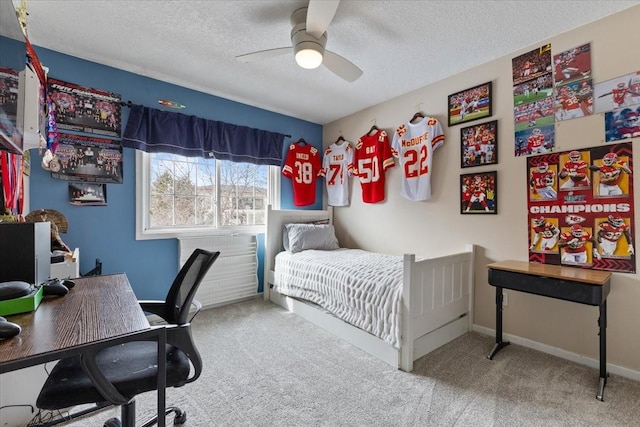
(359, 287)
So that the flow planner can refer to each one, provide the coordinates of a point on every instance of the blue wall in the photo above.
(108, 232)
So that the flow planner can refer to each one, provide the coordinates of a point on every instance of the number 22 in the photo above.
(411, 167)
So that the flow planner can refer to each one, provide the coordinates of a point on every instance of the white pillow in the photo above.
(299, 237)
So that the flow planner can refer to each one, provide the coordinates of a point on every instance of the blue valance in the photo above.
(157, 131)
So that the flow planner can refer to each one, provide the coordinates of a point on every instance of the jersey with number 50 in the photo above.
(336, 169)
(302, 165)
(371, 158)
(414, 144)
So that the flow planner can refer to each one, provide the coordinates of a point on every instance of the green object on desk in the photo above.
(21, 305)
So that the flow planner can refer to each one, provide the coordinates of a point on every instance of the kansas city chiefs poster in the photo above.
(581, 208)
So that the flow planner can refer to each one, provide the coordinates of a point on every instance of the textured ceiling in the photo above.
(400, 45)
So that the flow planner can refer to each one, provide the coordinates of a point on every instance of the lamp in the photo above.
(309, 58)
(307, 49)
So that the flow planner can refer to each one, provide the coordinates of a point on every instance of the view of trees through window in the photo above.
(198, 192)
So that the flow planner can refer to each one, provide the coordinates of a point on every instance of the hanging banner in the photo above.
(87, 158)
(581, 208)
(83, 109)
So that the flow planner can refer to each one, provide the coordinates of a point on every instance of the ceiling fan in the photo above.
(308, 40)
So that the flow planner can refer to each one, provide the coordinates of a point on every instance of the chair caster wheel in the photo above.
(180, 418)
(112, 422)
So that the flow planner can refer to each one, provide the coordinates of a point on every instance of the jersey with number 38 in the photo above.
(372, 157)
(302, 165)
(414, 144)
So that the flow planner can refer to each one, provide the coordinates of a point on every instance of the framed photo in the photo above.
(479, 145)
(470, 104)
(479, 193)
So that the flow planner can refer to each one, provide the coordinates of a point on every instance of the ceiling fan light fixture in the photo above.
(308, 58)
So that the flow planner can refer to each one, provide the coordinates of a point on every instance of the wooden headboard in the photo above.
(276, 220)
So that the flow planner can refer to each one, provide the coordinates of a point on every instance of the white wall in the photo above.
(429, 228)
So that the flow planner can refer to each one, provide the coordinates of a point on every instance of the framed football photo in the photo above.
(479, 145)
(479, 193)
(470, 104)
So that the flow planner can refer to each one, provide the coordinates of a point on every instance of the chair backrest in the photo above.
(186, 284)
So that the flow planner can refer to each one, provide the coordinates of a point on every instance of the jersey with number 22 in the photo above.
(414, 144)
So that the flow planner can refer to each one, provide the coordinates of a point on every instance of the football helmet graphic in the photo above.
(576, 230)
(631, 119)
(539, 222)
(609, 159)
(575, 156)
(621, 85)
(543, 167)
(615, 220)
(537, 131)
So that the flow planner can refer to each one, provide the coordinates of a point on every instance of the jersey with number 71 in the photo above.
(414, 144)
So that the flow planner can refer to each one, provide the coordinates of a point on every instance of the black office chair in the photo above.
(132, 367)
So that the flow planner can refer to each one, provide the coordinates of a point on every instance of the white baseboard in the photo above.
(555, 351)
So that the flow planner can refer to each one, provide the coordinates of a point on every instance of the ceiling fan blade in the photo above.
(341, 67)
(264, 54)
(320, 13)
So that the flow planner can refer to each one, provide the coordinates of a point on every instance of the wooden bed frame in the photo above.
(437, 297)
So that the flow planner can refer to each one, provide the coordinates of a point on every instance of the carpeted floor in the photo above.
(267, 367)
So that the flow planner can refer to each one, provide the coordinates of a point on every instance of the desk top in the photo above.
(97, 308)
(592, 277)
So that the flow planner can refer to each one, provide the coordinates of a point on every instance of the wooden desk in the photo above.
(100, 311)
(579, 285)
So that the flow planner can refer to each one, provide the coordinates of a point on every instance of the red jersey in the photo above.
(542, 179)
(609, 232)
(302, 165)
(569, 102)
(577, 168)
(478, 188)
(371, 158)
(535, 142)
(610, 175)
(619, 95)
(548, 230)
(575, 245)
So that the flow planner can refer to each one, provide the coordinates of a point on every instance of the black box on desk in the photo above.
(25, 251)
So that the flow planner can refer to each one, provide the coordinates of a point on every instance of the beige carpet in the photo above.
(267, 367)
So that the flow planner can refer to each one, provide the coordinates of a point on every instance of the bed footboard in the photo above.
(437, 303)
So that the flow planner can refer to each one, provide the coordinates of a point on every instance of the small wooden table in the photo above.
(579, 285)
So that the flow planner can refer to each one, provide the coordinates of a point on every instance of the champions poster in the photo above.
(581, 208)
(87, 158)
(83, 109)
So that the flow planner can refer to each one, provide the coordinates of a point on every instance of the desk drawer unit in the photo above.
(550, 287)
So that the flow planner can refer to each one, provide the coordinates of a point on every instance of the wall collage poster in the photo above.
(581, 208)
(84, 157)
(533, 102)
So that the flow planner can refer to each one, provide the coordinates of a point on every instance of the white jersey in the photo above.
(414, 144)
(336, 168)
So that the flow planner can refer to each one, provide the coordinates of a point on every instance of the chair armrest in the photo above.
(180, 336)
(99, 381)
(154, 307)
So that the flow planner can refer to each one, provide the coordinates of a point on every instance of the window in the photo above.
(180, 196)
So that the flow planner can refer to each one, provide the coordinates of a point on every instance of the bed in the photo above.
(429, 305)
